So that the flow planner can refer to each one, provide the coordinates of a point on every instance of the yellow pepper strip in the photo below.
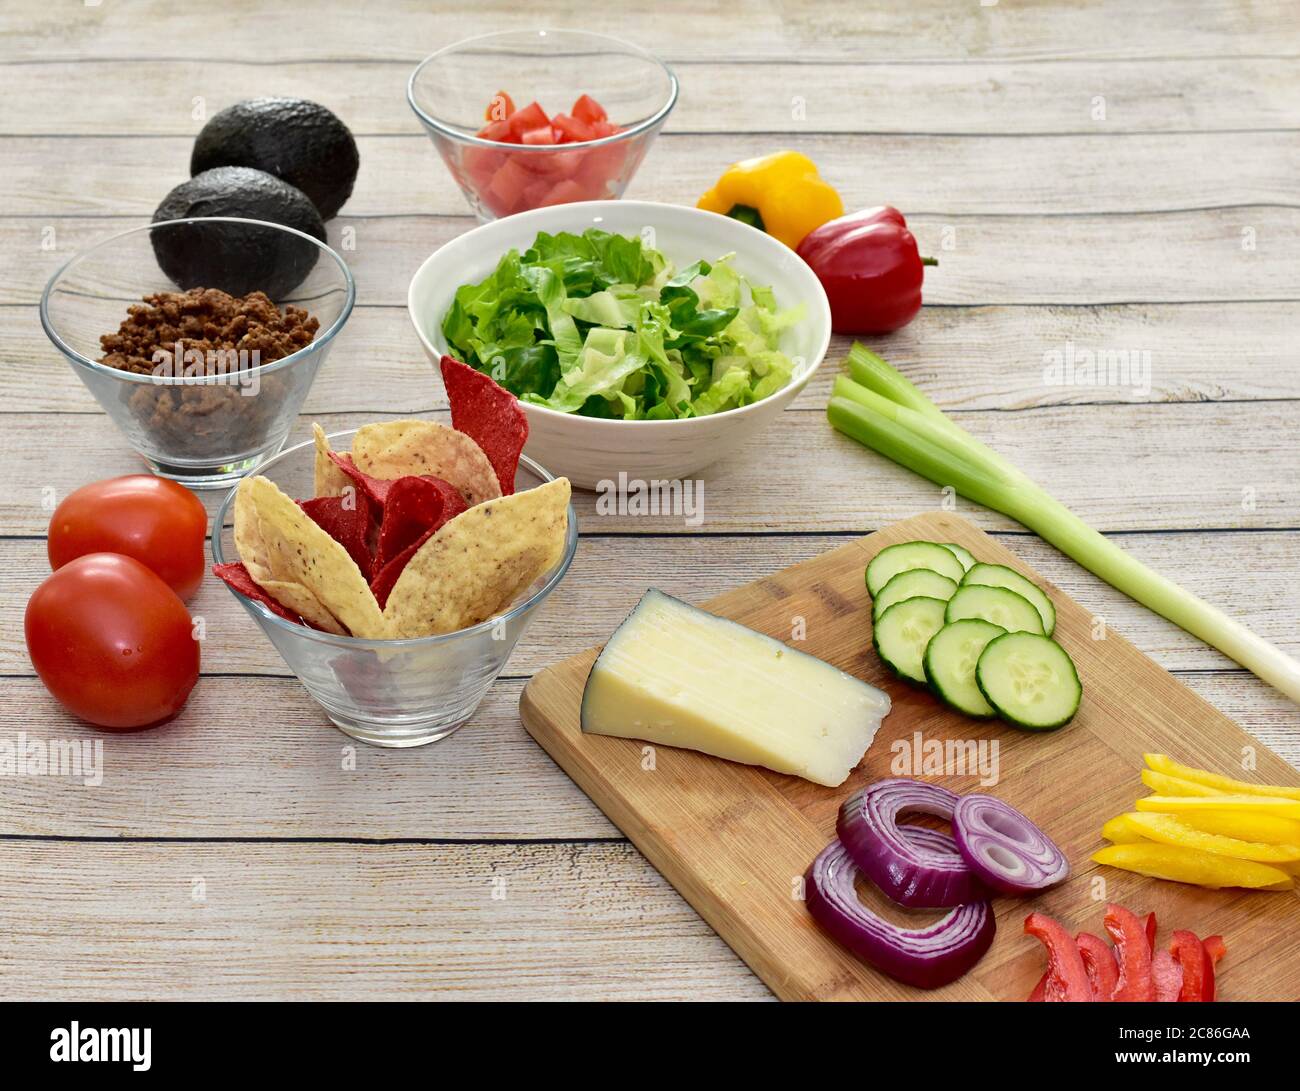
(1162, 763)
(1121, 831)
(1182, 865)
(1165, 785)
(1270, 805)
(1249, 827)
(1168, 830)
(783, 191)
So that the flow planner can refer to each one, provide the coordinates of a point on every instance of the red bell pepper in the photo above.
(869, 265)
(1067, 980)
(1195, 961)
(1040, 990)
(1151, 932)
(1099, 962)
(1214, 950)
(1167, 976)
(1133, 953)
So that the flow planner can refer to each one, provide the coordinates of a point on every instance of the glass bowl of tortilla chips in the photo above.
(399, 580)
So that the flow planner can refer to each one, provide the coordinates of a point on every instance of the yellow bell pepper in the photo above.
(1270, 805)
(1248, 827)
(1121, 831)
(1183, 865)
(1168, 830)
(1162, 763)
(1165, 785)
(781, 194)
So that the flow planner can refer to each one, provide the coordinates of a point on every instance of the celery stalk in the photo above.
(870, 370)
(880, 409)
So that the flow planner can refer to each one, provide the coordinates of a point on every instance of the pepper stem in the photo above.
(747, 214)
(929, 261)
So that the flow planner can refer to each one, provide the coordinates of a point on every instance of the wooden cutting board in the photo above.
(735, 839)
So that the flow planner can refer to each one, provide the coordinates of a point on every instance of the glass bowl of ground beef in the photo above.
(200, 337)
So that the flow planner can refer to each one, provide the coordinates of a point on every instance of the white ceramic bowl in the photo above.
(589, 450)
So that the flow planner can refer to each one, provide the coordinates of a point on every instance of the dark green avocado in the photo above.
(237, 258)
(296, 140)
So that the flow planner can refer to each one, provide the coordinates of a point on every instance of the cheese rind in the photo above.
(674, 675)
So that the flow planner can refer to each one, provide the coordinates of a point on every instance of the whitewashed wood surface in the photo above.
(1087, 174)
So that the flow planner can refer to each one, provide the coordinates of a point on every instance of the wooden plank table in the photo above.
(1106, 175)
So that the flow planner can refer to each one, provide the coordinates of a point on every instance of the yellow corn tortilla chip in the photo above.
(477, 563)
(400, 448)
(298, 551)
(303, 603)
(251, 546)
(330, 480)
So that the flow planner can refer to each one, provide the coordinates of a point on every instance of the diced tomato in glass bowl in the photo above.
(508, 158)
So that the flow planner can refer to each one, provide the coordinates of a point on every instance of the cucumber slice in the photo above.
(997, 575)
(1013, 612)
(950, 660)
(892, 560)
(902, 633)
(910, 584)
(1030, 680)
(962, 554)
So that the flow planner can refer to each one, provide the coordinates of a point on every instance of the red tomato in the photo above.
(112, 642)
(499, 108)
(589, 110)
(543, 134)
(509, 183)
(531, 116)
(572, 128)
(563, 193)
(158, 522)
(499, 131)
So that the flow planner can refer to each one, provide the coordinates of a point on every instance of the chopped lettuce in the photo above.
(602, 325)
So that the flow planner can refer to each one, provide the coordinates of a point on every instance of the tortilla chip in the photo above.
(349, 521)
(235, 573)
(250, 544)
(300, 552)
(414, 508)
(330, 480)
(419, 448)
(489, 414)
(477, 564)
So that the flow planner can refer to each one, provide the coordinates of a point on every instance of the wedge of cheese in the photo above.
(676, 676)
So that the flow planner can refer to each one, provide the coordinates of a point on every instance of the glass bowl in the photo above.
(393, 693)
(451, 90)
(201, 430)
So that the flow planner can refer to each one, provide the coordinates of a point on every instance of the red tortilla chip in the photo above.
(374, 489)
(413, 506)
(382, 585)
(349, 521)
(490, 415)
(236, 576)
(416, 507)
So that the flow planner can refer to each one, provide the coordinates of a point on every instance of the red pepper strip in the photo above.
(1040, 990)
(1195, 961)
(869, 265)
(1215, 949)
(1099, 961)
(1151, 932)
(1067, 980)
(1167, 975)
(1133, 954)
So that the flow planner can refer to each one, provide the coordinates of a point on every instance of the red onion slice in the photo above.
(1004, 849)
(915, 870)
(925, 957)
